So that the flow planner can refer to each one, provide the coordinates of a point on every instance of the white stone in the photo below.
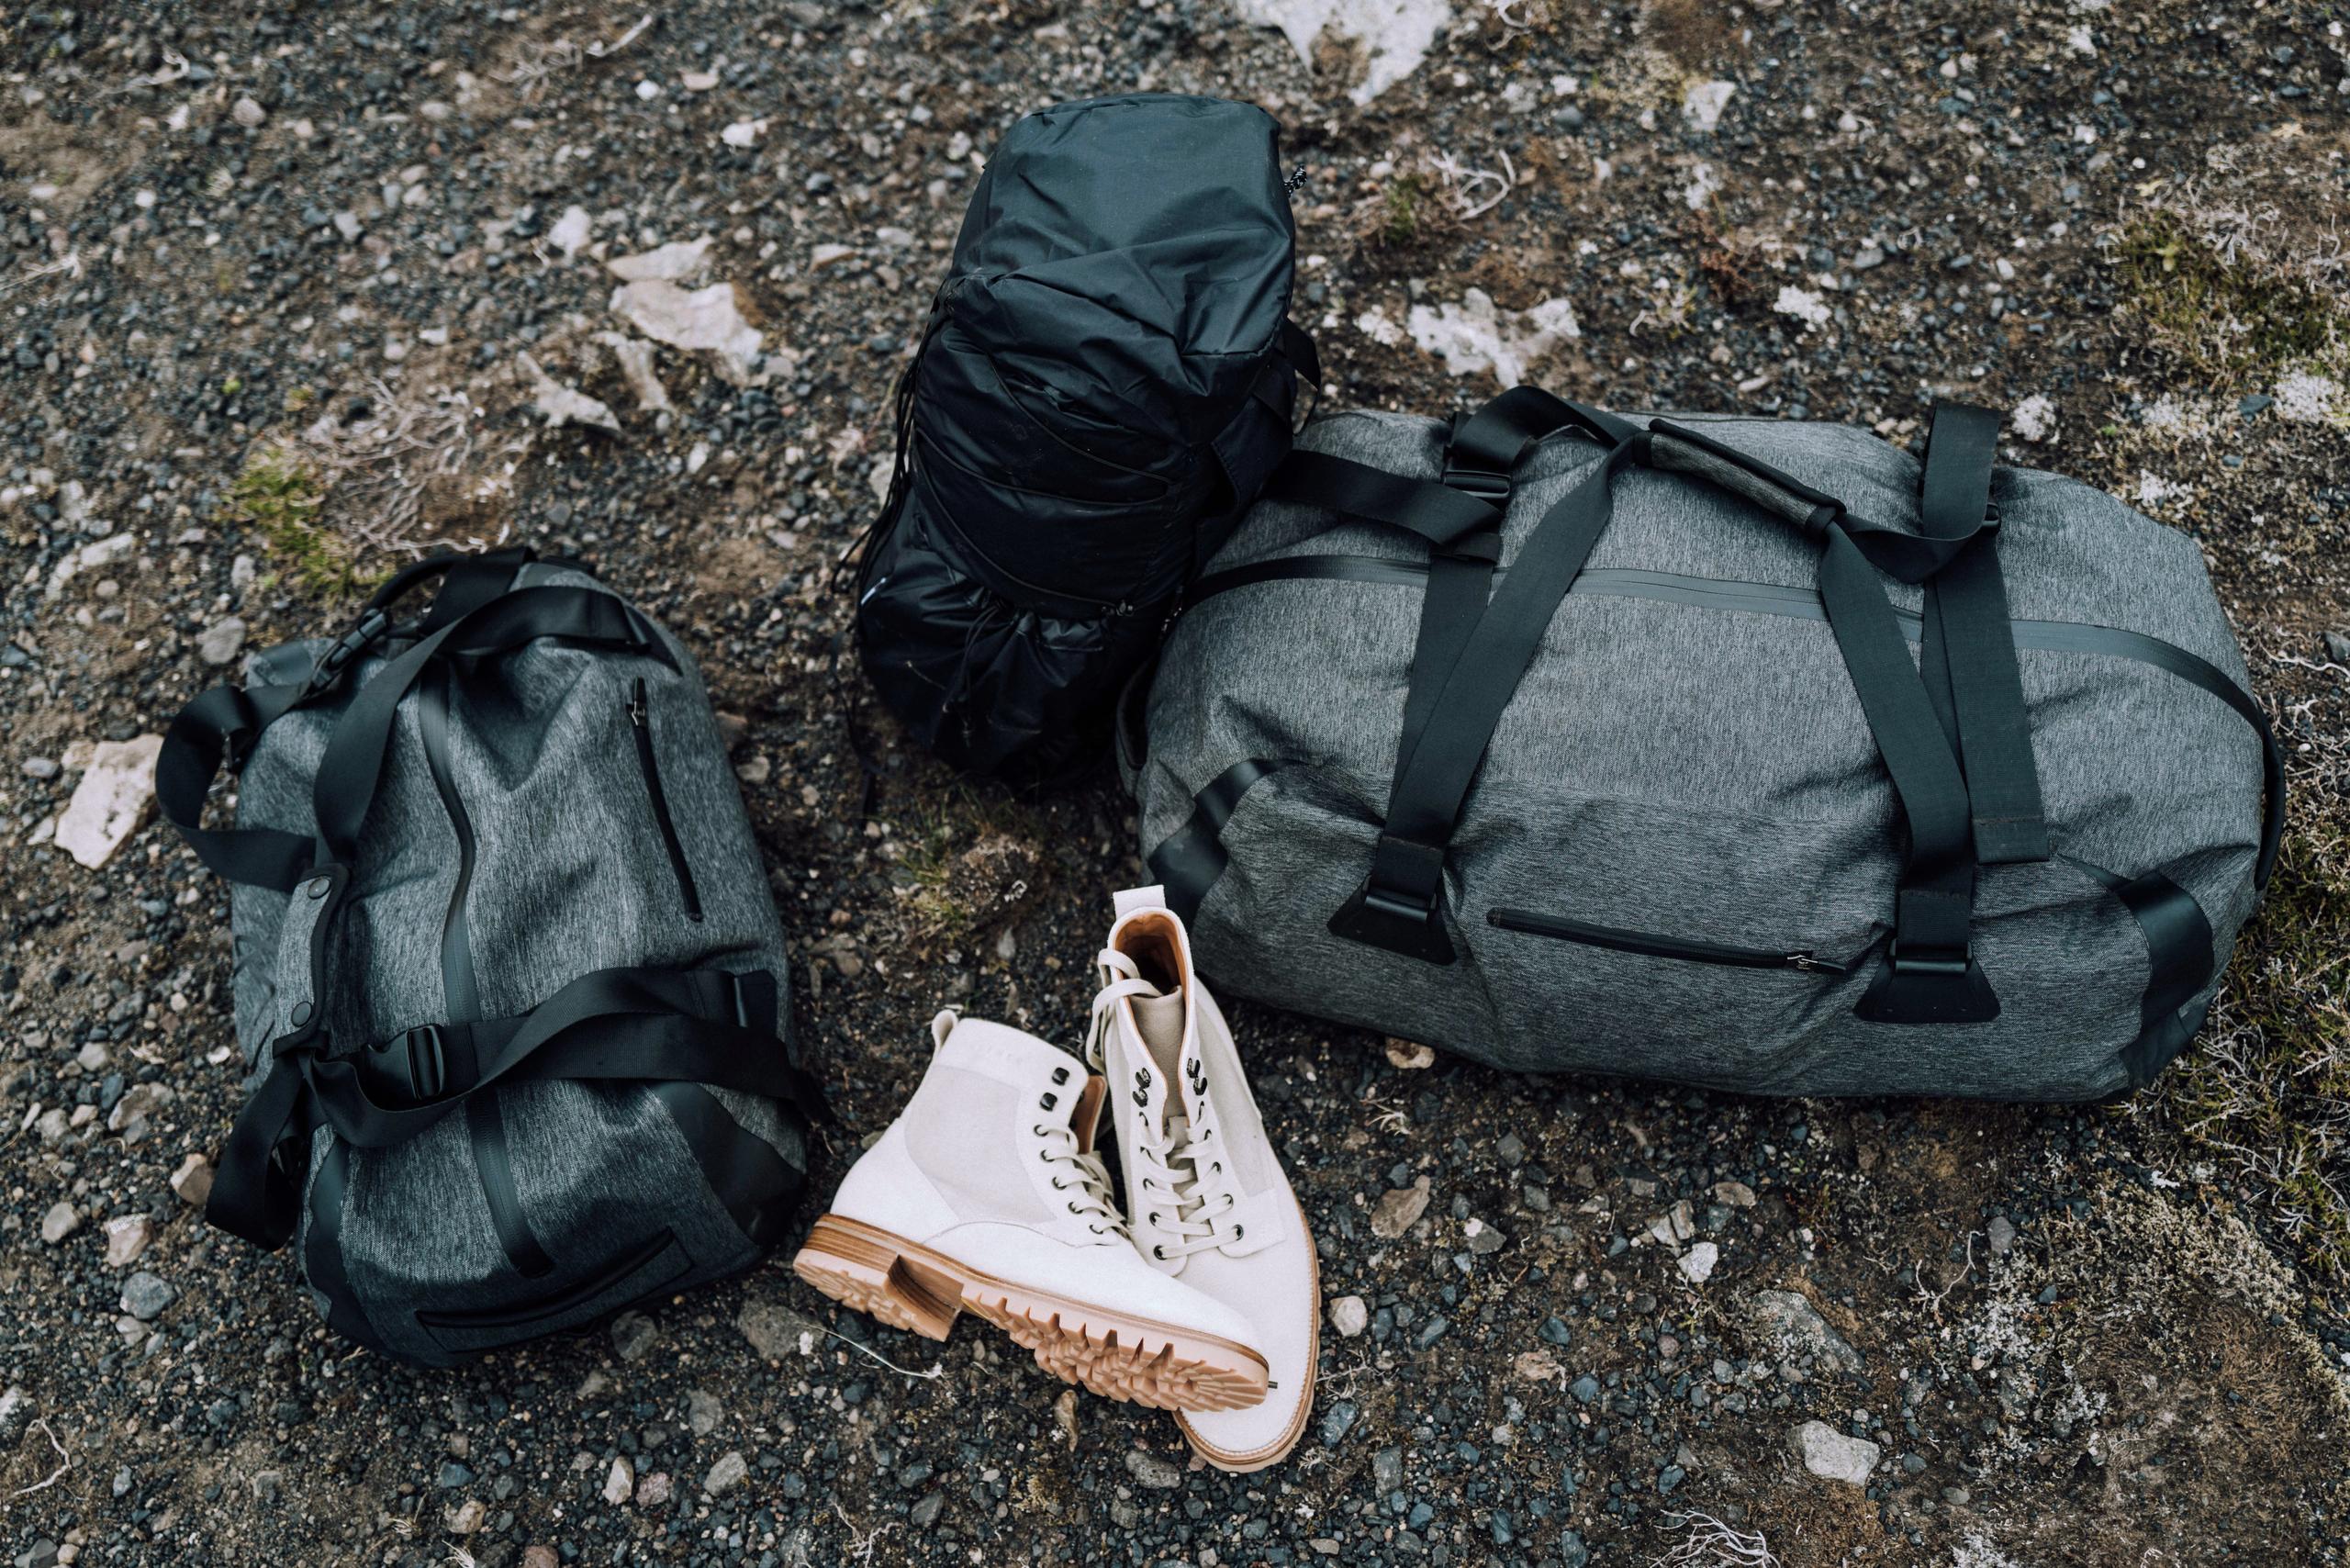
(708, 319)
(1703, 102)
(2034, 418)
(127, 1238)
(1395, 34)
(1699, 1261)
(1836, 1456)
(1803, 306)
(679, 259)
(744, 132)
(619, 1482)
(562, 405)
(1477, 335)
(111, 800)
(248, 113)
(1349, 1317)
(571, 231)
(60, 1221)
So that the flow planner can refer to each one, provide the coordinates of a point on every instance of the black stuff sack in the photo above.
(1107, 378)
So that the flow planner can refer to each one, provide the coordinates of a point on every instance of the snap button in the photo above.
(317, 886)
(301, 1014)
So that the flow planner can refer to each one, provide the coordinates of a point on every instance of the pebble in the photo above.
(1337, 1420)
(1349, 1316)
(2337, 646)
(1795, 1326)
(221, 641)
(1836, 1456)
(145, 1295)
(1397, 1211)
(192, 1180)
(1153, 1472)
(619, 1482)
(127, 1238)
(248, 113)
(633, 1334)
(730, 1469)
(1698, 1262)
(62, 1221)
(2002, 1234)
(703, 1412)
(653, 1490)
(111, 800)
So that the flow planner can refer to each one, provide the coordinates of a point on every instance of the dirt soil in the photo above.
(268, 276)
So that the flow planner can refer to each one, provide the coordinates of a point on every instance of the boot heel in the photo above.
(866, 1270)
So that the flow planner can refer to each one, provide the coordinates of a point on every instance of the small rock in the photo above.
(466, 1517)
(455, 1476)
(1585, 1388)
(1410, 1056)
(2002, 1234)
(654, 1490)
(539, 1557)
(40, 769)
(2337, 647)
(15, 1410)
(619, 1482)
(137, 1109)
(632, 1335)
(730, 1469)
(679, 259)
(1795, 1326)
(776, 1331)
(62, 1221)
(127, 1238)
(111, 800)
(1349, 1316)
(192, 1181)
(571, 230)
(703, 1412)
(221, 641)
(1836, 1456)
(1734, 1194)
(248, 113)
(1399, 1210)
(1698, 1262)
(145, 1295)
(1152, 1470)
(1337, 1420)
(560, 405)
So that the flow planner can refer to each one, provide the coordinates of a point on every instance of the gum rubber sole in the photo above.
(908, 1286)
(1279, 1448)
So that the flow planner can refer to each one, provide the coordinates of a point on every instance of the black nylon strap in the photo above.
(1969, 657)
(2178, 964)
(1930, 974)
(1187, 862)
(701, 1026)
(352, 769)
(220, 726)
(1357, 490)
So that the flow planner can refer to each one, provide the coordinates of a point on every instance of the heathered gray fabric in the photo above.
(1703, 771)
(570, 876)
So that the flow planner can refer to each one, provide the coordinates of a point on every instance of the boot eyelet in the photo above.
(1142, 1078)
(1060, 1075)
(1159, 1253)
(1237, 1232)
(1059, 1184)
(1047, 1103)
(1154, 1219)
(1074, 1209)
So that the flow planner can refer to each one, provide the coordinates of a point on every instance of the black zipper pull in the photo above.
(1811, 963)
(636, 703)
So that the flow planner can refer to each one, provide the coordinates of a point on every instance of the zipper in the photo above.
(1566, 930)
(640, 720)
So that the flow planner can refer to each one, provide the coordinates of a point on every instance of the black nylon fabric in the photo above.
(1102, 388)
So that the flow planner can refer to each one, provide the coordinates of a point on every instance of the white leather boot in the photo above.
(986, 1195)
(1205, 1194)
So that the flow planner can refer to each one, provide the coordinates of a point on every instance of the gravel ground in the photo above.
(269, 276)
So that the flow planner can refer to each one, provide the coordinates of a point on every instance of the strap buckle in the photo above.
(1482, 482)
(415, 1064)
(1400, 906)
(338, 655)
(1928, 960)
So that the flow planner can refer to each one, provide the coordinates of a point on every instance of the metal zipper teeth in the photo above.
(640, 723)
(1538, 924)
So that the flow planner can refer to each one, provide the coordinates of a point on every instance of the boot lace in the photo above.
(1082, 1180)
(1182, 1196)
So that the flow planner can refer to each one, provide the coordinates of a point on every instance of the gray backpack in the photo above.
(506, 966)
(1735, 752)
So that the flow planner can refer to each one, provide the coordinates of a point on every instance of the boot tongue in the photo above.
(1160, 1021)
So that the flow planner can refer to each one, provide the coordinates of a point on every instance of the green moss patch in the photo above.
(2225, 315)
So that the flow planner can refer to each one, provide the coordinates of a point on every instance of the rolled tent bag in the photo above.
(1734, 752)
(1106, 378)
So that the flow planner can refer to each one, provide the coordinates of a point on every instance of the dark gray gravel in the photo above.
(2074, 1336)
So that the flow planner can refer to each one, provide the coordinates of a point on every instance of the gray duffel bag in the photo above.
(507, 971)
(1729, 751)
